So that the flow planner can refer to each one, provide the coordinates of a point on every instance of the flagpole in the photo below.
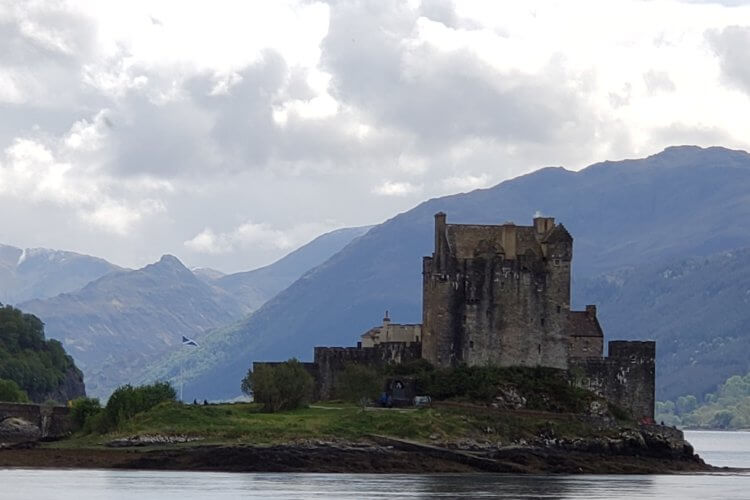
(182, 379)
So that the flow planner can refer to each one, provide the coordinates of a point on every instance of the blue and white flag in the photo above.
(187, 341)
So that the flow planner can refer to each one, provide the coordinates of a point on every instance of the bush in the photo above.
(10, 392)
(358, 382)
(82, 409)
(285, 386)
(127, 401)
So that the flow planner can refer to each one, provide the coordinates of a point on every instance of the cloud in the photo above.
(389, 188)
(231, 133)
(730, 45)
(254, 235)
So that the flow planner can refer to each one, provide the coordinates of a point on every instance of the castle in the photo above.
(500, 295)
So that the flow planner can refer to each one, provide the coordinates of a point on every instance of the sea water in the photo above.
(719, 448)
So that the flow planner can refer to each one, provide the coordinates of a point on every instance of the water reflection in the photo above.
(148, 485)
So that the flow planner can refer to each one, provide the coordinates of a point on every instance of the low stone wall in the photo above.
(626, 377)
(52, 421)
(331, 361)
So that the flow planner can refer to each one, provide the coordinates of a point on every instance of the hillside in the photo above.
(255, 287)
(697, 309)
(117, 324)
(39, 273)
(685, 201)
(38, 366)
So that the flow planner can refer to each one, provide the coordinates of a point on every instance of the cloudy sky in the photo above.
(229, 133)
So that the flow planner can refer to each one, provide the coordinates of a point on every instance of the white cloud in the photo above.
(389, 188)
(233, 132)
(465, 182)
(251, 235)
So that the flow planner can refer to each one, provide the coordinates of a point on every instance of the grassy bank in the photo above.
(247, 424)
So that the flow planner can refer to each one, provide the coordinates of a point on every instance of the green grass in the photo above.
(246, 424)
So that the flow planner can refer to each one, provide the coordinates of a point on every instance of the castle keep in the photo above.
(500, 295)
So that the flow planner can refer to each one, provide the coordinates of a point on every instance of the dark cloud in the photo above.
(731, 46)
(440, 97)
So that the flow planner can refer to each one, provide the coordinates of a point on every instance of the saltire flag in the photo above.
(187, 341)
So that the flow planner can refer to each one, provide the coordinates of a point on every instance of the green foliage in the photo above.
(83, 409)
(727, 408)
(37, 365)
(358, 382)
(10, 392)
(543, 388)
(128, 401)
(284, 386)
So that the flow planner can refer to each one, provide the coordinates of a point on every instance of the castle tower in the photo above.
(497, 294)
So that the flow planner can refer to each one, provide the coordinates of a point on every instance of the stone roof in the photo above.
(372, 332)
(558, 233)
(584, 324)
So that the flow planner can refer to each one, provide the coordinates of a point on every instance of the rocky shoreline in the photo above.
(648, 450)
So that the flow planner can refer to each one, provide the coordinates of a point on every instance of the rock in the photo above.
(17, 429)
(150, 440)
(508, 398)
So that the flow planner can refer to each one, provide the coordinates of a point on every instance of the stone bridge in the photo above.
(52, 421)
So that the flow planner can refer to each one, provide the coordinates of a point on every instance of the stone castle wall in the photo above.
(52, 421)
(331, 361)
(496, 295)
(625, 378)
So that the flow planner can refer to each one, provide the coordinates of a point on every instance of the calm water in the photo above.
(720, 448)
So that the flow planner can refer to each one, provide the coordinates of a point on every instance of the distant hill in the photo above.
(254, 288)
(117, 324)
(685, 201)
(39, 273)
(697, 309)
(38, 366)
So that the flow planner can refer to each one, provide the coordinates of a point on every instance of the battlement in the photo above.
(626, 377)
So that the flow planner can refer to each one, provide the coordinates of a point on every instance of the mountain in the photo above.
(39, 273)
(697, 310)
(120, 322)
(685, 201)
(253, 288)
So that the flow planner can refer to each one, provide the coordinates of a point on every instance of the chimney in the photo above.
(591, 311)
(543, 224)
(439, 235)
(386, 319)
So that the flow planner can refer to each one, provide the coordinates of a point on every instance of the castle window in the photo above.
(539, 348)
(556, 262)
(558, 309)
(542, 321)
(471, 344)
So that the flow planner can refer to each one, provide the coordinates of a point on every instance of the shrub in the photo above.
(10, 392)
(358, 382)
(82, 409)
(127, 400)
(284, 386)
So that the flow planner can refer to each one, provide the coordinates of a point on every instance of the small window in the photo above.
(539, 348)
(542, 321)
(558, 309)
(471, 344)
(556, 262)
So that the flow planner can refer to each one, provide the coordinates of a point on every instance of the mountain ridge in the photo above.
(620, 214)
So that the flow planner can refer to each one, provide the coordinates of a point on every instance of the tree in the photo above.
(82, 409)
(10, 392)
(284, 386)
(127, 401)
(357, 382)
